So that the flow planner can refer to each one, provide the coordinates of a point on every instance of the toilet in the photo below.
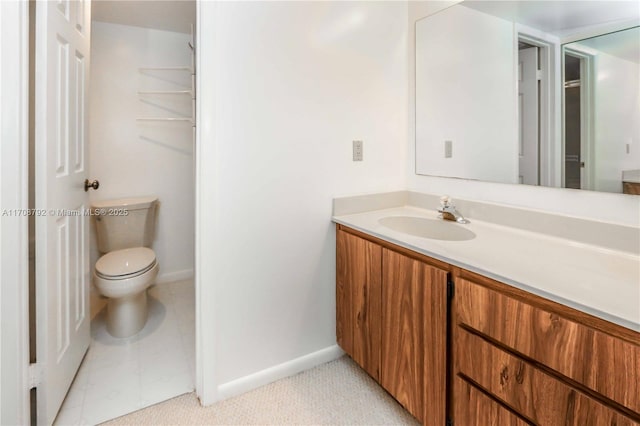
(125, 230)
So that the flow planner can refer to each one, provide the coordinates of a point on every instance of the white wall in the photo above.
(617, 108)
(14, 319)
(132, 158)
(616, 208)
(465, 93)
(289, 86)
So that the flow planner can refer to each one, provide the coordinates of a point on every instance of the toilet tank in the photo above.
(125, 222)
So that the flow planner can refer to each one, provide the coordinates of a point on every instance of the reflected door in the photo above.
(572, 122)
(528, 116)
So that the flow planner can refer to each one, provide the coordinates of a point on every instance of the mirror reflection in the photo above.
(539, 93)
(602, 111)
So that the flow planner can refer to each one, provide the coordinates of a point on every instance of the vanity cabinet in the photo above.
(391, 318)
(631, 188)
(450, 344)
(479, 409)
(544, 362)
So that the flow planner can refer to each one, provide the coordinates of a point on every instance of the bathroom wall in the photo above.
(14, 113)
(289, 86)
(132, 158)
(617, 109)
(616, 208)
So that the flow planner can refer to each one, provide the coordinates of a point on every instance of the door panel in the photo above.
(529, 150)
(62, 261)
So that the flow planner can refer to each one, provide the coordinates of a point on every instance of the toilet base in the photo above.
(127, 315)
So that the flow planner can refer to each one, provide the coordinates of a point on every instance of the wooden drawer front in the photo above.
(608, 365)
(631, 188)
(474, 408)
(358, 298)
(538, 396)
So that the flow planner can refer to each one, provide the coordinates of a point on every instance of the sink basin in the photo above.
(428, 228)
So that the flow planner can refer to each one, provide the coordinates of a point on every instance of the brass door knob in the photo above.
(93, 184)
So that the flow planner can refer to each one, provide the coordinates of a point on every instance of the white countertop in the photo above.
(599, 281)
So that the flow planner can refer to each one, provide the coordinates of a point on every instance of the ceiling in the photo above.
(566, 18)
(622, 44)
(560, 18)
(173, 15)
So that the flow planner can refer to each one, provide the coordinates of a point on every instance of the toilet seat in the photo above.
(126, 263)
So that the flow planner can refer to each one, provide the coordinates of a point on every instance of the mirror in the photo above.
(536, 92)
(601, 90)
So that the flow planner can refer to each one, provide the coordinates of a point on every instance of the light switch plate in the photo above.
(448, 149)
(357, 150)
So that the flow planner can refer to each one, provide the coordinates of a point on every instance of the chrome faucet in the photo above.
(449, 212)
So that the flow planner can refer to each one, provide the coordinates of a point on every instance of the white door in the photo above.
(528, 116)
(62, 258)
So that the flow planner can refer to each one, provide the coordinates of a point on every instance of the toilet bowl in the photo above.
(124, 276)
(128, 265)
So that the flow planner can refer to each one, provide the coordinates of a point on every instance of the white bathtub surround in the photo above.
(548, 255)
(119, 376)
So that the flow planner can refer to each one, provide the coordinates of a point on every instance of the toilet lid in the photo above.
(124, 262)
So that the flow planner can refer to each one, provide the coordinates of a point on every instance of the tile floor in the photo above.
(119, 376)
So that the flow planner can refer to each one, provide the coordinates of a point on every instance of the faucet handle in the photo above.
(445, 201)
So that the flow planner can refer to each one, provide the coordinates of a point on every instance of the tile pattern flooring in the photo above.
(119, 376)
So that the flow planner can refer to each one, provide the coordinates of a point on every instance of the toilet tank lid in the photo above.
(133, 203)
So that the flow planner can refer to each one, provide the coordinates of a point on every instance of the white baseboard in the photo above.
(280, 371)
(169, 277)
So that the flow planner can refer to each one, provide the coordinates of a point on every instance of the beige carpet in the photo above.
(336, 393)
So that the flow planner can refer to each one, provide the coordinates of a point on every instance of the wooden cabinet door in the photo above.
(414, 333)
(358, 298)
